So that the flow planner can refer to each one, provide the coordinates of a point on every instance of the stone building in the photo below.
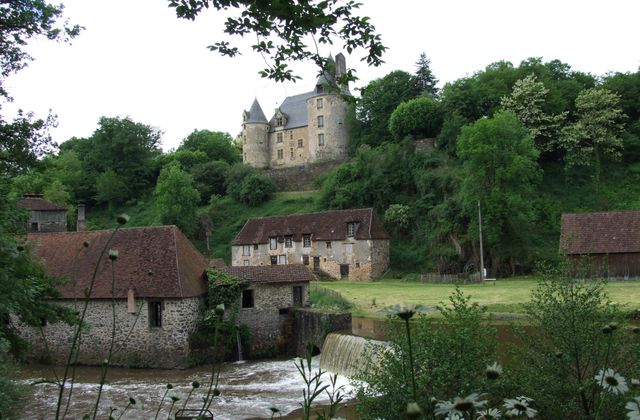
(159, 286)
(270, 294)
(44, 216)
(344, 244)
(306, 128)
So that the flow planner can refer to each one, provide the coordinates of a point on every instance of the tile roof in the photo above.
(217, 263)
(255, 113)
(295, 108)
(600, 233)
(292, 273)
(38, 204)
(176, 264)
(323, 226)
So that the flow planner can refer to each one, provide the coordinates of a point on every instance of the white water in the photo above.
(248, 389)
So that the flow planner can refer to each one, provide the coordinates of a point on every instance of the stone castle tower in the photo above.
(306, 128)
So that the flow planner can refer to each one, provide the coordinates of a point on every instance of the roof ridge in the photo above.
(179, 274)
(313, 212)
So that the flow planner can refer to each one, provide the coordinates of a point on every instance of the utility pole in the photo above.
(481, 252)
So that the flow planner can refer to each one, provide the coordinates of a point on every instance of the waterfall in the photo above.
(239, 345)
(345, 354)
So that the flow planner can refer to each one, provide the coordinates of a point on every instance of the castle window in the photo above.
(292, 153)
(291, 135)
(279, 121)
(319, 89)
(320, 121)
(155, 314)
(351, 228)
(273, 243)
(280, 154)
(279, 138)
(321, 139)
(288, 241)
(244, 138)
(306, 241)
(300, 143)
(246, 250)
(319, 103)
(247, 298)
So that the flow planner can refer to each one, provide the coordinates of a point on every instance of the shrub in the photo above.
(246, 185)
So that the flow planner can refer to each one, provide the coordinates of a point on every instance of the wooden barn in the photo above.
(603, 244)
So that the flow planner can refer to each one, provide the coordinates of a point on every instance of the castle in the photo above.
(306, 128)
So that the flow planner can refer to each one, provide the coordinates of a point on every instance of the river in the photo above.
(248, 389)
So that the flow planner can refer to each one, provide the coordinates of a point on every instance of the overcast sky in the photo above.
(136, 59)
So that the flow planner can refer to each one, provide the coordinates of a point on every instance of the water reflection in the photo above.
(248, 389)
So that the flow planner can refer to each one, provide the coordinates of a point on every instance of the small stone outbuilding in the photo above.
(605, 244)
(270, 294)
(159, 292)
(44, 216)
(343, 244)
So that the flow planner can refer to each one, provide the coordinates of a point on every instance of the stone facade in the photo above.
(44, 216)
(306, 128)
(138, 343)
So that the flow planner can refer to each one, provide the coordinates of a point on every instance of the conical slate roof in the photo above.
(255, 113)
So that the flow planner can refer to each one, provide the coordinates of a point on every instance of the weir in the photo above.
(346, 354)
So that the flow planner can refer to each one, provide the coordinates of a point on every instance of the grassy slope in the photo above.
(507, 296)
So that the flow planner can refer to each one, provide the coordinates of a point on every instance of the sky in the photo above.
(136, 59)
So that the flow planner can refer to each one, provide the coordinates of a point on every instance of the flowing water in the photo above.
(345, 354)
(248, 389)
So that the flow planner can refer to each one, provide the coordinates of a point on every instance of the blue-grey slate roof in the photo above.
(295, 109)
(255, 113)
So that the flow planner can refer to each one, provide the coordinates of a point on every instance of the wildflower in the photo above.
(174, 398)
(413, 410)
(113, 254)
(489, 414)
(169, 386)
(493, 371)
(612, 381)
(634, 409)
(274, 410)
(519, 407)
(216, 392)
(123, 219)
(195, 384)
(132, 401)
(459, 406)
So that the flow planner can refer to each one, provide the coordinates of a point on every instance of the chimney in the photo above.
(81, 226)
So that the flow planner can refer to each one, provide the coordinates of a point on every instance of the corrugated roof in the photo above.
(295, 109)
(292, 273)
(323, 226)
(176, 265)
(38, 204)
(255, 113)
(600, 233)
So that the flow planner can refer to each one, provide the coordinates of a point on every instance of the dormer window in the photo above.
(245, 116)
(281, 119)
(351, 228)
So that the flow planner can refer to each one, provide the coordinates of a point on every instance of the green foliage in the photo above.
(110, 188)
(186, 158)
(176, 198)
(223, 289)
(398, 217)
(216, 146)
(449, 358)
(501, 172)
(246, 185)
(568, 344)
(210, 178)
(328, 300)
(425, 79)
(419, 118)
(12, 392)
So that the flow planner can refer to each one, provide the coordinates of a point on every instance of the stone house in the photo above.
(159, 291)
(603, 244)
(344, 244)
(44, 216)
(270, 294)
(306, 128)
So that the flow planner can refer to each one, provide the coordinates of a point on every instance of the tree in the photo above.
(596, 133)
(425, 78)
(526, 102)
(23, 141)
(176, 198)
(419, 118)
(210, 178)
(246, 185)
(282, 30)
(501, 172)
(110, 188)
(216, 145)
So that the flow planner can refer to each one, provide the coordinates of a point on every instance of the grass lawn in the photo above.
(507, 296)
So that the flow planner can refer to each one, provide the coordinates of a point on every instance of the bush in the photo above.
(420, 117)
(246, 185)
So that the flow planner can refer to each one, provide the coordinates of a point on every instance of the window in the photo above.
(279, 121)
(247, 298)
(348, 248)
(319, 103)
(245, 263)
(155, 314)
(321, 139)
(306, 241)
(328, 243)
(288, 241)
(255, 246)
(279, 138)
(320, 121)
(274, 260)
(357, 265)
(291, 135)
(291, 153)
(34, 226)
(273, 243)
(244, 139)
(297, 295)
(246, 250)
(305, 259)
(300, 143)
(351, 228)
(282, 259)
(280, 154)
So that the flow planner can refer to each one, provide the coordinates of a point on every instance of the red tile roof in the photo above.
(292, 273)
(600, 233)
(38, 204)
(217, 263)
(176, 265)
(323, 226)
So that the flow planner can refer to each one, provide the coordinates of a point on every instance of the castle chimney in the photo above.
(81, 226)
